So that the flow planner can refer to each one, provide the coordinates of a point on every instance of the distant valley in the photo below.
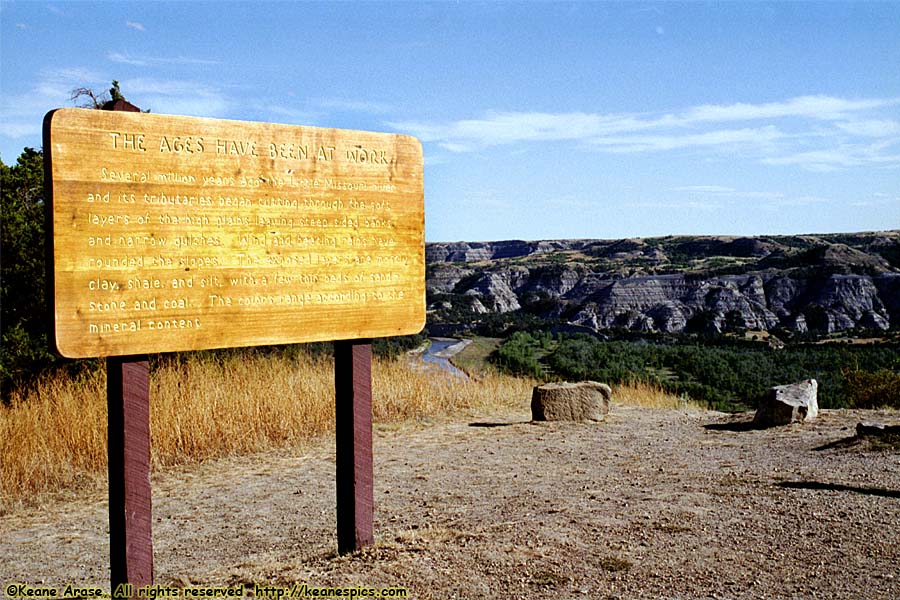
(805, 284)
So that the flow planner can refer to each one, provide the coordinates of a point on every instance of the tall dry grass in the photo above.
(53, 436)
(202, 406)
(651, 395)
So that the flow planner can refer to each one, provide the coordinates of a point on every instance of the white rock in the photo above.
(786, 404)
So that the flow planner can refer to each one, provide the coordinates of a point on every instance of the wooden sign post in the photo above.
(128, 434)
(174, 234)
(353, 437)
(128, 461)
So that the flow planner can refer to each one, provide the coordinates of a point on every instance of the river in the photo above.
(441, 350)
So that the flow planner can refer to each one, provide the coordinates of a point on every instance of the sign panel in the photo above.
(177, 233)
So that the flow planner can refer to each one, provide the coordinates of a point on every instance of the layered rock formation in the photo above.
(676, 284)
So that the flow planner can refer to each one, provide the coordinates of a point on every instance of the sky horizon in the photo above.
(538, 120)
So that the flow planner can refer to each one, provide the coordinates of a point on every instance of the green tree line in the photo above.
(23, 305)
(726, 374)
(24, 316)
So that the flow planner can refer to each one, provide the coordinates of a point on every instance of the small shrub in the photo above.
(866, 389)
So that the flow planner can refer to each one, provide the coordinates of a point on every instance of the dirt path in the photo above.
(651, 504)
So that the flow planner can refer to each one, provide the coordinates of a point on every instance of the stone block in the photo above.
(785, 404)
(583, 401)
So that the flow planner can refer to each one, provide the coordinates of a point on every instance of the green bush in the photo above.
(877, 389)
(23, 305)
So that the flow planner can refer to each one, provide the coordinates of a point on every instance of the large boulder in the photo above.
(786, 404)
(584, 401)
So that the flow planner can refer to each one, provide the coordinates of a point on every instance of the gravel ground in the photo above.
(650, 504)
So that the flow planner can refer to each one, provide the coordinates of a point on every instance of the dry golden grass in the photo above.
(53, 436)
(649, 395)
(210, 406)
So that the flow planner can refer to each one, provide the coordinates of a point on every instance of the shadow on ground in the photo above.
(734, 426)
(887, 443)
(847, 442)
(839, 487)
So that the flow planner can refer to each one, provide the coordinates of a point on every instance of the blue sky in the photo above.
(538, 120)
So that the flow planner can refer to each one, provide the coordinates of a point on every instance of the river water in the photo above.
(439, 353)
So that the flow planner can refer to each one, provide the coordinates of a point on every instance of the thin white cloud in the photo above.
(817, 160)
(872, 203)
(720, 192)
(311, 111)
(57, 83)
(287, 113)
(812, 132)
(787, 201)
(456, 148)
(151, 61)
(21, 115)
(511, 127)
(710, 196)
(135, 25)
(710, 189)
(716, 138)
(707, 206)
(180, 97)
(434, 160)
(748, 195)
(125, 59)
(22, 26)
(18, 129)
(487, 199)
(571, 203)
(871, 127)
(364, 106)
(770, 201)
(810, 107)
(883, 200)
(843, 155)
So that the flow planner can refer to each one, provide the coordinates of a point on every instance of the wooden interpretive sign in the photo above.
(178, 233)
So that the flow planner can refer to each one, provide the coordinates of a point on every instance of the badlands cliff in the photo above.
(822, 283)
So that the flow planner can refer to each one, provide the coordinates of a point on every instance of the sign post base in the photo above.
(353, 436)
(130, 535)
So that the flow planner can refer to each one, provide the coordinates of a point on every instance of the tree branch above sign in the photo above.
(177, 233)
